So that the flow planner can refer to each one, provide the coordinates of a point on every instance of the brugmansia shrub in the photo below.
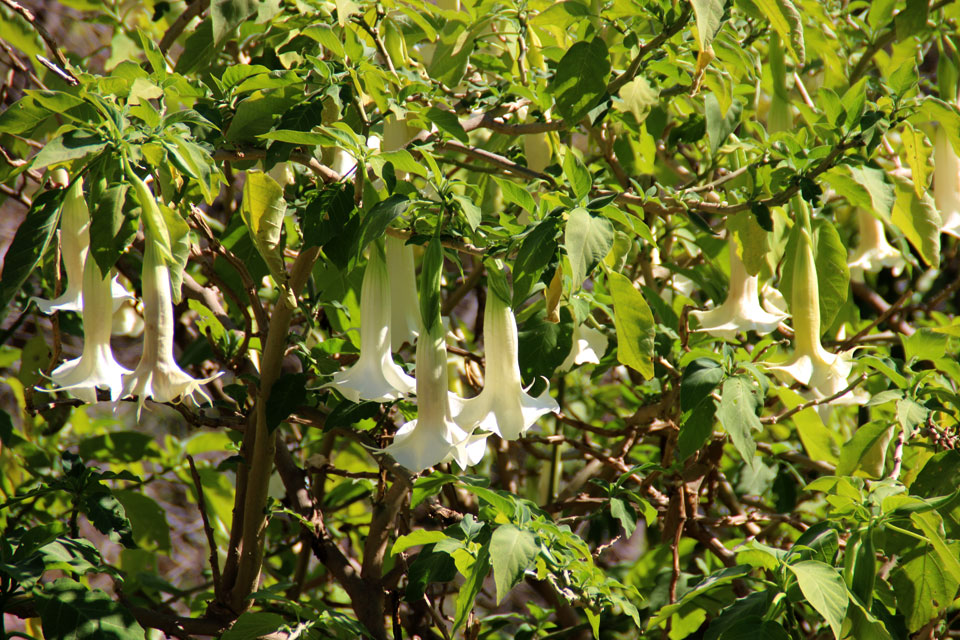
(480, 319)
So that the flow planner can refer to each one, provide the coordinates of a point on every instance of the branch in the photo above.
(783, 415)
(239, 155)
(668, 32)
(207, 529)
(47, 39)
(497, 160)
(193, 10)
(883, 316)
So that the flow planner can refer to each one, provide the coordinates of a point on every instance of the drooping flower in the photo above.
(157, 375)
(822, 372)
(503, 406)
(374, 376)
(96, 366)
(404, 309)
(127, 321)
(433, 437)
(74, 247)
(741, 311)
(588, 346)
(874, 252)
(946, 183)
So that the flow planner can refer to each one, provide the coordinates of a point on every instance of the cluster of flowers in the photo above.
(447, 427)
(97, 297)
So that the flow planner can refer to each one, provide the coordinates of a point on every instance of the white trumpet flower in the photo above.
(74, 248)
(874, 252)
(588, 346)
(741, 311)
(433, 437)
(157, 375)
(404, 309)
(822, 372)
(503, 406)
(374, 376)
(946, 183)
(96, 366)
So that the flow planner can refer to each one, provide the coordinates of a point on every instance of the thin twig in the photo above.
(207, 529)
(881, 318)
(193, 10)
(783, 415)
(45, 35)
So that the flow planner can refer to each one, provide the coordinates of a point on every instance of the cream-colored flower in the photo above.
(157, 375)
(822, 372)
(588, 346)
(96, 366)
(741, 311)
(74, 248)
(374, 376)
(433, 437)
(874, 252)
(404, 308)
(946, 183)
(503, 406)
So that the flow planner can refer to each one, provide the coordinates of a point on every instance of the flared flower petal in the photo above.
(374, 376)
(433, 437)
(946, 183)
(741, 311)
(157, 375)
(404, 308)
(96, 366)
(874, 252)
(503, 406)
(588, 347)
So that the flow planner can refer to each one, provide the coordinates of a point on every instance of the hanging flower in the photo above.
(127, 321)
(374, 376)
(74, 247)
(822, 372)
(588, 346)
(433, 437)
(741, 311)
(874, 252)
(157, 375)
(404, 309)
(96, 366)
(946, 183)
(503, 406)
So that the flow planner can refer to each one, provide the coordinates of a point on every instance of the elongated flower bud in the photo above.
(741, 311)
(503, 406)
(946, 183)
(96, 366)
(404, 305)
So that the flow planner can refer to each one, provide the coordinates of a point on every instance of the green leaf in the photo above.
(824, 589)
(624, 514)
(866, 450)
(73, 555)
(227, 15)
(918, 158)
(417, 538)
(720, 126)
(148, 520)
(69, 611)
(581, 79)
(911, 414)
(512, 552)
(709, 15)
(737, 414)
(752, 240)
(287, 394)
(116, 446)
(864, 187)
(930, 523)
(923, 586)
(833, 275)
(252, 625)
(23, 116)
(471, 587)
(111, 229)
(69, 146)
(263, 208)
(912, 19)
(587, 239)
(543, 346)
(785, 19)
(29, 244)
(536, 252)
(639, 96)
(925, 344)
(430, 275)
(375, 221)
(512, 192)
(634, 323)
(577, 175)
(448, 122)
(919, 220)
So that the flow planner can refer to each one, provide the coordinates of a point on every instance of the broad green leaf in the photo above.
(918, 158)
(227, 15)
(925, 344)
(471, 587)
(263, 208)
(824, 589)
(23, 116)
(536, 252)
(709, 15)
(448, 122)
(930, 522)
(864, 187)
(866, 450)
(737, 414)
(634, 323)
(919, 220)
(818, 441)
(639, 96)
(288, 393)
(720, 125)
(581, 79)
(69, 146)
(430, 275)
(833, 275)
(577, 175)
(417, 538)
(148, 520)
(29, 244)
(375, 221)
(542, 346)
(923, 585)
(254, 625)
(911, 414)
(785, 19)
(587, 239)
(111, 228)
(512, 192)
(70, 611)
(512, 552)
